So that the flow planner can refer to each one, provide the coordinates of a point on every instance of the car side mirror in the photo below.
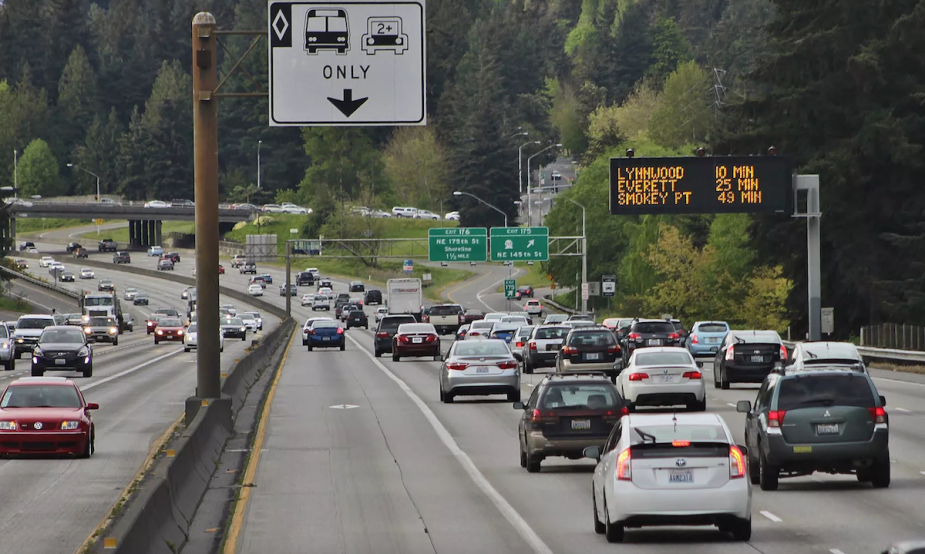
(882, 400)
(93, 406)
(700, 364)
(520, 406)
(593, 452)
(744, 406)
(743, 448)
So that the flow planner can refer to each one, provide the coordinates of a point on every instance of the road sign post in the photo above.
(460, 244)
(519, 244)
(347, 63)
(510, 288)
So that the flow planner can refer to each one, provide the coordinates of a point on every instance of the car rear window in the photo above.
(482, 324)
(325, 325)
(594, 338)
(663, 358)
(551, 333)
(580, 397)
(671, 432)
(758, 337)
(481, 348)
(654, 327)
(814, 391)
(392, 323)
(713, 328)
(416, 328)
(444, 310)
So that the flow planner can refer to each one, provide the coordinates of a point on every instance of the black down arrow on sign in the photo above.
(348, 105)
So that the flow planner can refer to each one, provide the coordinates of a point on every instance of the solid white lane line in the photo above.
(730, 404)
(835, 551)
(515, 519)
(903, 410)
(129, 370)
(922, 472)
(899, 381)
(770, 516)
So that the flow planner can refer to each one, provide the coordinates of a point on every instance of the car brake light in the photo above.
(430, 338)
(520, 344)
(680, 444)
(693, 375)
(776, 418)
(634, 336)
(402, 338)
(624, 468)
(474, 334)
(509, 364)
(382, 335)
(340, 330)
(624, 410)
(694, 339)
(878, 414)
(458, 366)
(730, 353)
(783, 353)
(531, 345)
(674, 336)
(736, 462)
(638, 376)
(568, 350)
(311, 331)
(426, 319)
(613, 349)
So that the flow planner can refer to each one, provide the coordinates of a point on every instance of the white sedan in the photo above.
(452, 216)
(308, 299)
(663, 376)
(191, 339)
(670, 469)
(87, 273)
(156, 204)
(255, 290)
(46, 261)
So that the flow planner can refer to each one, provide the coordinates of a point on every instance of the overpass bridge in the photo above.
(144, 223)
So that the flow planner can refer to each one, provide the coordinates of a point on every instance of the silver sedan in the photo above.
(479, 368)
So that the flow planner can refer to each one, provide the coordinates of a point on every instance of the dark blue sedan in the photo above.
(326, 334)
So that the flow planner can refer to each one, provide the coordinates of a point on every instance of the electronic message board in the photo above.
(701, 185)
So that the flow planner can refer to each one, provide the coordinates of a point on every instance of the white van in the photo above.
(398, 211)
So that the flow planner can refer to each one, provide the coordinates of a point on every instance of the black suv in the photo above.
(108, 245)
(355, 317)
(828, 419)
(248, 267)
(71, 246)
(566, 414)
(26, 245)
(386, 329)
(649, 332)
(747, 357)
(305, 278)
(122, 257)
(357, 286)
(373, 296)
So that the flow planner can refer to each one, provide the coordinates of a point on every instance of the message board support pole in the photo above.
(288, 278)
(813, 215)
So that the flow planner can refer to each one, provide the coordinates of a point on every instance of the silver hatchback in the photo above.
(480, 367)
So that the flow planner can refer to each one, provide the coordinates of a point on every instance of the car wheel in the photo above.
(880, 472)
(723, 380)
(343, 347)
(754, 469)
(768, 475)
(244, 337)
(513, 396)
(37, 372)
(528, 368)
(533, 463)
(523, 456)
(395, 357)
(9, 365)
(699, 406)
(91, 446)
(742, 529)
(89, 371)
(612, 531)
(156, 341)
(599, 526)
(377, 353)
(185, 349)
(115, 342)
(448, 397)
(309, 347)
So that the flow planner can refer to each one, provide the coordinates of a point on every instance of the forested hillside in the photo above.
(836, 85)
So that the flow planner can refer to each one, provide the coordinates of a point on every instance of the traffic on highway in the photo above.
(530, 432)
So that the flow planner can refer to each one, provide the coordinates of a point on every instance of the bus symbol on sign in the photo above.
(327, 30)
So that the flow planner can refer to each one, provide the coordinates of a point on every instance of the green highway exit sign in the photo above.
(457, 244)
(510, 288)
(520, 244)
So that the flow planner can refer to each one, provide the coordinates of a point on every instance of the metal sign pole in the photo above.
(288, 278)
(813, 215)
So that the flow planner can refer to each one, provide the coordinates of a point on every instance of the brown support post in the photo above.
(205, 156)
(288, 278)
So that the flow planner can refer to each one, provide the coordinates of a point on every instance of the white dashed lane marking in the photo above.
(771, 516)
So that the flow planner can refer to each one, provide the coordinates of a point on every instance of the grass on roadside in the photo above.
(121, 234)
(535, 276)
(32, 225)
(14, 304)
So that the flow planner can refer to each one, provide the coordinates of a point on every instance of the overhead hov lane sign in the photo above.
(347, 63)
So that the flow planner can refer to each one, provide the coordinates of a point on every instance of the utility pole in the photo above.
(15, 173)
(584, 255)
(259, 142)
(205, 152)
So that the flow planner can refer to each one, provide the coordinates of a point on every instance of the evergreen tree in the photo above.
(77, 105)
(100, 152)
(38, 171)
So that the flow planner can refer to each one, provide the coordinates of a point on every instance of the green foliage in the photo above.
(683, 114)
(344, 162)
(415, 164)
(38, 171)
(669, 48)
(76, 106)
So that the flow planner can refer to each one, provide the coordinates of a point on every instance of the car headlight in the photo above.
(180, 332)
(4, 345)
(83, 351)
(8, 426)
(244, 328)
(70, 425)
(160, 332)
(88, 330)
(19, 340)
(37, 352)
(113, 330)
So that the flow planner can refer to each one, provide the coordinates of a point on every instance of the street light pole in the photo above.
(458, 193)
(584, 255)
(520, 166)
(529, 195)
(15, 173)
(259, 142)
(98, 196)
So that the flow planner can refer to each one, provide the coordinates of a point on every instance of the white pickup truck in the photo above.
(446, 318)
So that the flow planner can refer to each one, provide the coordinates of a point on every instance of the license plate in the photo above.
(664, 378)
(325, 338)
(757, 359)
(581, 424)
(481, 369)
(552, 347)
(60, 362)
(417, 341)
(681, 476)
(713, 340)
(802, 449)
(654, 342)
(593, 356)
(827, 429)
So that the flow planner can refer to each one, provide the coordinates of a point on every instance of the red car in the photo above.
(415, 340)
(221, 269)
(151, 323)
(169, 328)
(46, 415)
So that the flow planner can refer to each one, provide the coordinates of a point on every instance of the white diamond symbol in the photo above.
(280, 25)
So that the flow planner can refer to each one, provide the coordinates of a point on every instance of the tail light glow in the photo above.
(613, 349)
(783, 353)
(638, 376)
(674, 336)
(508, 364)
(694, 339)
(680, 444)
(736, 462)
(624, 468)
(520, 344)
(340, 330)
(878, 414)
(531, 345)
(382, 335)
(403, 338)
(634, 336)
(730, 353)
(693, 375)
(457, 366)
(569, 350)
(776, 418)
(430, 338)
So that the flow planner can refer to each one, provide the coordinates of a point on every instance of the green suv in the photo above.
(830, 420)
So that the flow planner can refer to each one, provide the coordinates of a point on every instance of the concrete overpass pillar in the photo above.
(157, 233)
(145, 232)
(132, 233)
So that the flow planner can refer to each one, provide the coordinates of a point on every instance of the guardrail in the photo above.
(17, 275)
(888, 354)
(571, 311)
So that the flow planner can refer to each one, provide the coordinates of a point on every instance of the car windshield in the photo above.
(253, 315)
(4, 332)
(407, 328)
(168, 311)
(233, 321)
(169, 322)
(548, 333)
(593, 338)
(192, 328)
(580, 396)
(663, 358)
(131, 289)
(62, 336)
(102, 322)
(811, 391)
(480, 348)
(713, 328)
(34, 323)
(668, 433)
(41, 396)
(654, 327)
(91, 301)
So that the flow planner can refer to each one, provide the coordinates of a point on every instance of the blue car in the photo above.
(706, 337)
(504, 331)
(326, 333)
